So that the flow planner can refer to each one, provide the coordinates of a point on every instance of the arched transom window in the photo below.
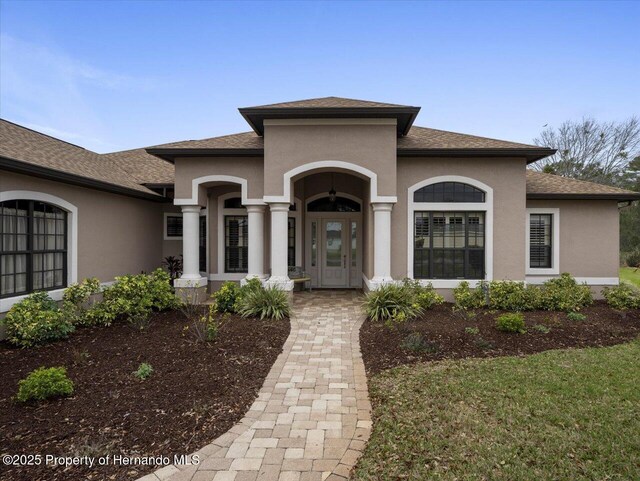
(33, 247)
(448, 192)
(340, 204)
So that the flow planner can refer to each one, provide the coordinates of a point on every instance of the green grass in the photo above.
(570, 415)
(631, 275)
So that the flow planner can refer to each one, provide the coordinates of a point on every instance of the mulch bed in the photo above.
(445, 336)
(197, 392)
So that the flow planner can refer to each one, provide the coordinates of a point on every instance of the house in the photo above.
(349, 190)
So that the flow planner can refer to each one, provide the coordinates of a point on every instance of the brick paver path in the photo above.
(312, 416)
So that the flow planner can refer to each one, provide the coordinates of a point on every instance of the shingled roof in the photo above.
(548, 186)
(328, 103)
(25, 150)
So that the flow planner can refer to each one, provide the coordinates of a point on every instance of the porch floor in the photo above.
(312, 417)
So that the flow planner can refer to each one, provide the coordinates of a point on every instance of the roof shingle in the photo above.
(540, 184)
(328, 103)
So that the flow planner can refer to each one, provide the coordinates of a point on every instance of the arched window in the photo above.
(33, 247)
(341, 204)
(448, 192)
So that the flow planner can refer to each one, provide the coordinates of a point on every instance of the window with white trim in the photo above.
(33, 247)
(541, 241)
(173, 226)
(236, 242)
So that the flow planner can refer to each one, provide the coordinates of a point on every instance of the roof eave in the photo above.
(256, 116)
(532, 155)
(621, 197)
(170, 155)
(22, 167)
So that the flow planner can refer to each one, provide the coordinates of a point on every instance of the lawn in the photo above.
(631, 275)
(563, 414)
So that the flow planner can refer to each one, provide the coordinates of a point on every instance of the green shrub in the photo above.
(512, 322)
(44, 383)
(425, 296)
(470, 298)
(417, 343)
(265, 303)
(35, 320)
(392, 303)
(564, 294)
(542, 328)
(513, 296)
(76, 298)
(249, 286)
(144, 371)
(204, 327)
(633, 258)
(134, 298)
(474, 331)
(576, 316)
(623, 296)
(226, 297)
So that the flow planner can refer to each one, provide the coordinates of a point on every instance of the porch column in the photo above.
(191, 286)
(256, 241)
(279, 265)
(381, 243)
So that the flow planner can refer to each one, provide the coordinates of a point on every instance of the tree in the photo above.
(592, 150)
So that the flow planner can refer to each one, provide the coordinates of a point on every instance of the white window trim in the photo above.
(555, 261)
(486, 207)
(72, 238)
(165, 226)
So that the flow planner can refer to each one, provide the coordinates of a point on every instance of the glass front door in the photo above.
(335, 248)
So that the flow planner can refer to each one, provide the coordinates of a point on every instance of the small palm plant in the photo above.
(265, 303)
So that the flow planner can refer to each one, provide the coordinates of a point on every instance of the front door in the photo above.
(335, 272)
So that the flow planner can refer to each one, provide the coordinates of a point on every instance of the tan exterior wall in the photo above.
(370, 146)
(116, 234)
(507, 179)
(589, 236)
(189, 168)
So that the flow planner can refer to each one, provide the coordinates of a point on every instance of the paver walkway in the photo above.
(312, 416)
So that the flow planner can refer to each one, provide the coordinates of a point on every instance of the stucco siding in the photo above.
(589, 236)
(116, 234)
(507, 179)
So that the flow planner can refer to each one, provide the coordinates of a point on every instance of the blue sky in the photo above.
(116, 75)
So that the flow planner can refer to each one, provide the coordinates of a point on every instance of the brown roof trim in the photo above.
(630, 196)
(170, 155)
(530, 154)
(255, 116)
(21, 167)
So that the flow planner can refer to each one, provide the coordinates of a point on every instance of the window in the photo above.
(203, 243)
(33, 247)
(236, 240)
(341, 204)
(448, 192)
(291, 242)
(540, 241)
(449, 245)
(233, 203)
(173, 226)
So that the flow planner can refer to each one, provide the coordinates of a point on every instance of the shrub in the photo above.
(225, 298)
(623, 296)
(76, 298)
(542, 328)
(512, 322)
(266, 303)
(474, 331)
(134, 298)
(417, 343)
(392, 303)
(564, 294)
(44, 383)
(173, 265)
(512, 296)
(204, 327)
(35, 320)
(576, 316)
(425, 296)
(470, 298)
(633, 258)
(249, 286)
(144, 371)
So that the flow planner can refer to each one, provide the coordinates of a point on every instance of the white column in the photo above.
(279, 265)
(381, 243)
(256, 241)
(190, 248)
